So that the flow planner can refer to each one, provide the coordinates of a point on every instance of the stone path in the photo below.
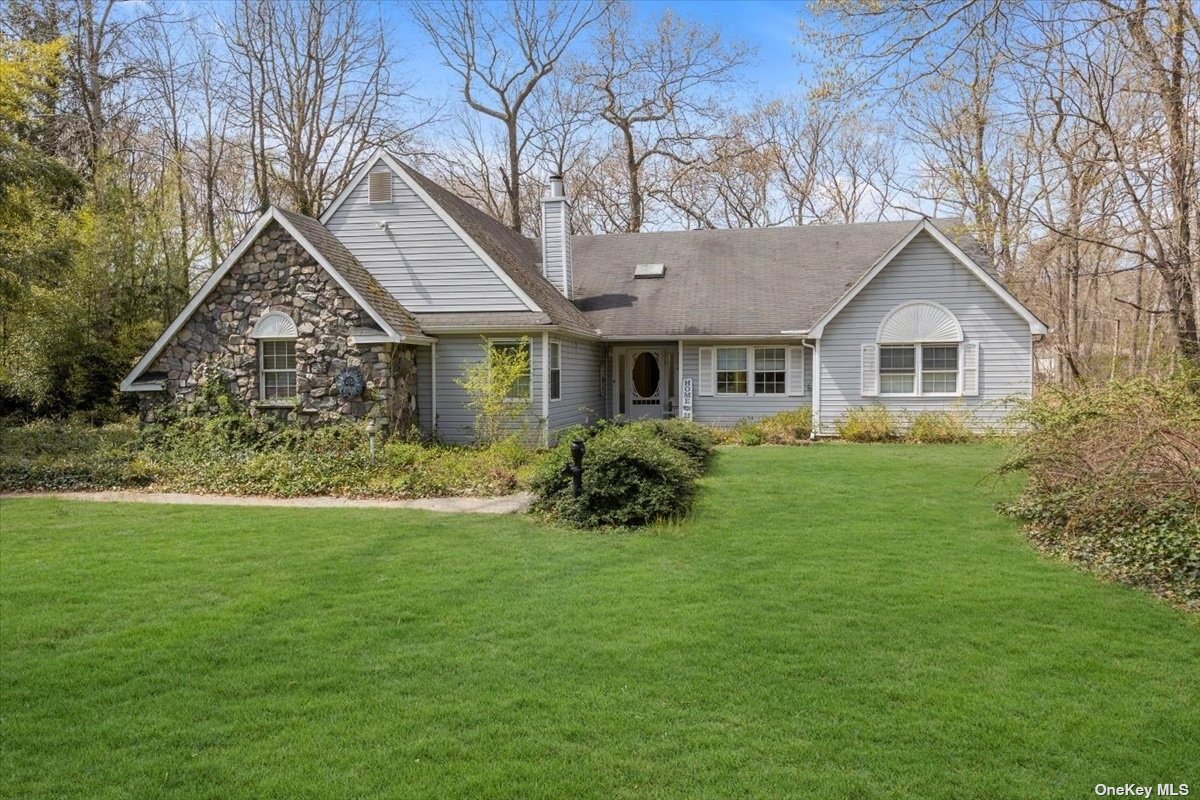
(507, 504)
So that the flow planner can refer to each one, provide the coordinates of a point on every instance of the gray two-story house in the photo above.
(375, 309)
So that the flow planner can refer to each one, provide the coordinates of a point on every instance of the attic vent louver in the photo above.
(380, 188)
(649, 270)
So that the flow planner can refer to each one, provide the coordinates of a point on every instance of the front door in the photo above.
(645, 384)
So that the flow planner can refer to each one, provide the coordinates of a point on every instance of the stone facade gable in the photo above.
(276, 273)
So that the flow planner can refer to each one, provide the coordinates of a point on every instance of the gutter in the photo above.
(485, 330)
(781, 336)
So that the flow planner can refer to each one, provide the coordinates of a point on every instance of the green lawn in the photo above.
(834, 621)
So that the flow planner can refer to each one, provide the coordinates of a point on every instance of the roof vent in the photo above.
(649, 271)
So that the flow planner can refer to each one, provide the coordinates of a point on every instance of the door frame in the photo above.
(621, 386)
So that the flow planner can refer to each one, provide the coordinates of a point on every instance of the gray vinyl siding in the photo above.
(424, 391)
(725, 410)
(583, 400)
(925, 271)
(420, 259)
(556, 246)
(455, 420)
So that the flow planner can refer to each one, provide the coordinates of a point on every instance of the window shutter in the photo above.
(970, 369)
(870, 370)
(708, 372)
(380, 187)
(795, 371)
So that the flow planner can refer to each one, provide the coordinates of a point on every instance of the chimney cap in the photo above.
(556, 186)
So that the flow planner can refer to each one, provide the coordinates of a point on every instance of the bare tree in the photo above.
(501, 52)
(1160, 169)
(657, 90)
(1065, 131)
(318, 89)
(104, 64)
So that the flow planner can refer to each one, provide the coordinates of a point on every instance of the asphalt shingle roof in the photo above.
(751, 282)
(333, 251)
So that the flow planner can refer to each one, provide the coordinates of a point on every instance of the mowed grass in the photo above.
(833, 621)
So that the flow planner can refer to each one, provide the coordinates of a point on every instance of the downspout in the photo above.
(679, 383)
(546, 387)
(816, 387)
(433, 388)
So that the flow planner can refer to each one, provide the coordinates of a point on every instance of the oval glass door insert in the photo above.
(646, 376)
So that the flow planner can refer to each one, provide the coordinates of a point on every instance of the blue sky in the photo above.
(770, 26)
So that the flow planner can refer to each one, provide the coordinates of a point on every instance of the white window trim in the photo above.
(553, 346)
(917, 363)
(529, 346)
(750, 371)
(262, 372)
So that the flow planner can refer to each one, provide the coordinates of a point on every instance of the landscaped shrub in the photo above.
(746, 433)
(868, 424)
(931, 427)
(497, 389)
(1114, 480)
(787, 427)
(631, 476)
(694, 440)
(790, 427)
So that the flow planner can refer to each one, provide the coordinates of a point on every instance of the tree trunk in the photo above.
(514, 181)
(633, 173)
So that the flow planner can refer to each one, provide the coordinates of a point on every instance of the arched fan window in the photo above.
(920, 321)
(274, 325)
(919, 350)
(276, 334)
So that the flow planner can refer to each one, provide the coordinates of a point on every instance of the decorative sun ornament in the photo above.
(349, 383)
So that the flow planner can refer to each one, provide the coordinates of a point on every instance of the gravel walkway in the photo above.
(508, 504)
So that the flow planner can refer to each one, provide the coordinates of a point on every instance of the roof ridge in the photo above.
(763, 229)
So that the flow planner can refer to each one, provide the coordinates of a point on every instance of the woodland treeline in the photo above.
(138, 141)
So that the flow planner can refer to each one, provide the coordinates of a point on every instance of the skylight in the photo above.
(649, 270)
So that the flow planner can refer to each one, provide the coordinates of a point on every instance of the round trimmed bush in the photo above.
(631, 477)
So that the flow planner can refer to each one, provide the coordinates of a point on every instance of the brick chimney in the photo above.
(556, 236)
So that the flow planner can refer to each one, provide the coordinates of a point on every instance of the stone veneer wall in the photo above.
(277, 274)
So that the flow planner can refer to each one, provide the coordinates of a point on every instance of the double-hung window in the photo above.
(770, 370)
(277, 365)
(899, 373)
(898, 369)
(939, 369)
(732, 372)
(555, 371)
(749, 371)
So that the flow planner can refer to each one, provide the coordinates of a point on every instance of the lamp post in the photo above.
(371, 437)
(575, 468)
